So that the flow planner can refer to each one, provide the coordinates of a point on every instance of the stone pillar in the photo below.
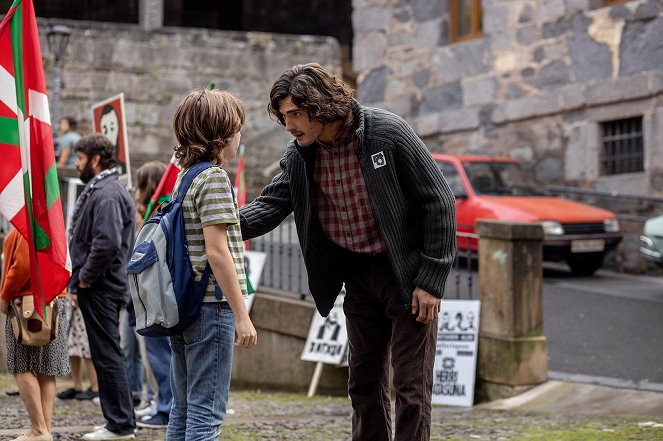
(513, 352)
(150, 14)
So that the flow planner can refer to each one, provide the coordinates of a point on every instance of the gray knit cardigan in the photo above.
(413, 207)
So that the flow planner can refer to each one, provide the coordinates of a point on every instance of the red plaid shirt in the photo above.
(341, 198)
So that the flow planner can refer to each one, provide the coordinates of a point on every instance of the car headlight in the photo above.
(552, 228)
(611, 225)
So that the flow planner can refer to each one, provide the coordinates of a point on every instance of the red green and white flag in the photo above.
(29, 189)
(240, 181)
(240, 189)
(165, 187)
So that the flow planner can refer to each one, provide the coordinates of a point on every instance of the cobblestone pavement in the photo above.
(259, 415)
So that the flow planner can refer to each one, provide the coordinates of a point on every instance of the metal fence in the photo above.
(284, 269)
(463, 281)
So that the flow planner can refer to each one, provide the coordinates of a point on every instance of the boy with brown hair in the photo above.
(207, 126)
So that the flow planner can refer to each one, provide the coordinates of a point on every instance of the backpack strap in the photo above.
(188, 178)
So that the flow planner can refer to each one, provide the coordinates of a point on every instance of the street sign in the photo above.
(456, 352)
(327, 337)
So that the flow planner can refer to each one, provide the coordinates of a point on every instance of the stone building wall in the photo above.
(535, 87)
(155, 69)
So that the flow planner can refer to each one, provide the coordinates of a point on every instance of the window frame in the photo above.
(615, 163)
(476, 31)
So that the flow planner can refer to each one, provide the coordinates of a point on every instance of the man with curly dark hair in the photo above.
(372, 211)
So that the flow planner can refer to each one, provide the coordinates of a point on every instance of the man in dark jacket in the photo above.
(372, 211)
(101, 237)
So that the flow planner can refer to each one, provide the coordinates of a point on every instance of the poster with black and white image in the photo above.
(456, 352)
(108, 119)
(327, 338)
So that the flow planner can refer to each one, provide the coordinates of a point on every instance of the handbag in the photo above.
(28, 327)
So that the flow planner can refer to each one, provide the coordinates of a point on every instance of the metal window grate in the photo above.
(623, 146)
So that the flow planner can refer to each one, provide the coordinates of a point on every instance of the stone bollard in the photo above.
(513, 352)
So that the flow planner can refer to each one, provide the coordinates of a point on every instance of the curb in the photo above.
(519, 400)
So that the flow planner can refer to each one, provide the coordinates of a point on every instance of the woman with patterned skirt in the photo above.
(34, 367)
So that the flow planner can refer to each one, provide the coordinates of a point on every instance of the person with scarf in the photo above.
(101, 234)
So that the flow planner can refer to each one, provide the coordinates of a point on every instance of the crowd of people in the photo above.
(372, 210)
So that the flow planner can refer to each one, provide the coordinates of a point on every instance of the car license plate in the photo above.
(587, 246)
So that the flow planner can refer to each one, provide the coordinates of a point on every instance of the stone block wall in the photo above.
(282, 324)
(534, 88)
(156, 68)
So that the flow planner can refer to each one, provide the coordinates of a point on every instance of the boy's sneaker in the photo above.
(104, 434)
(146, 408)
(158, 421)
(87, 395)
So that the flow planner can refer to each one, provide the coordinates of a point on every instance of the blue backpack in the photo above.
(166, 297)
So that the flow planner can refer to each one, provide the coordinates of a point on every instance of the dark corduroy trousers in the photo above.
(382, 327)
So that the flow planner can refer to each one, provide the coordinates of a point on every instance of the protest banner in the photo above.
(456, 352)
(108, 118)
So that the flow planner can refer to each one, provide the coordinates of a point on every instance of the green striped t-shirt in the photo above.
(210, 201)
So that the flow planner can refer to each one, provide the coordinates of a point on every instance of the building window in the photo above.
(623, 146)
(465, 19)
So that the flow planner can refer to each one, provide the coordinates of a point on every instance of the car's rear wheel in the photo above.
(585, 265)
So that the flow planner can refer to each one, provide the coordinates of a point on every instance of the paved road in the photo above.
(607, 328)
(604, 329)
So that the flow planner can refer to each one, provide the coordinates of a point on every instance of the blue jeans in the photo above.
(158, 354)
(200, 375)
(132, 359)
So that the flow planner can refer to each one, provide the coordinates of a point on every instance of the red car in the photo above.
(488, 187)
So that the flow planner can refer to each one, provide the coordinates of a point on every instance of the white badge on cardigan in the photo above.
(379, 160)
